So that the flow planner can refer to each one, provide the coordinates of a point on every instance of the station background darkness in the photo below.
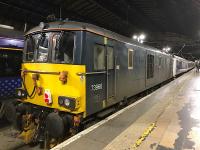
(173, 23)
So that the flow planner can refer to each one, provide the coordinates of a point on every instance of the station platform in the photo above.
(167, 119)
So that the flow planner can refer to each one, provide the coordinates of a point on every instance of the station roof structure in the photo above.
(173, 23)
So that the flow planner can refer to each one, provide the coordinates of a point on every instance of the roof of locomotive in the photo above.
(73, 25)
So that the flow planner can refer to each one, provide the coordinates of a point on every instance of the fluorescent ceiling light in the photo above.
(6, 26)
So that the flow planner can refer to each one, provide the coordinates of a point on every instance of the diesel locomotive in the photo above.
(73, 70)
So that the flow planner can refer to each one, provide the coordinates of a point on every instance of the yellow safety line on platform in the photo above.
(145, 134)
(149, 129)
(15, 49)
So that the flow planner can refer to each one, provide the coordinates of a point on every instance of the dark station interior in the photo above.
(100, 74)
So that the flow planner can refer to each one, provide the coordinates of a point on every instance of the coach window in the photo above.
(10, 62)
(160, 59)
(150, 66)
(110, 58)
(130, 58)
(99, 57)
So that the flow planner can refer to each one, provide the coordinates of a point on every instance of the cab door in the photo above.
(101, 78)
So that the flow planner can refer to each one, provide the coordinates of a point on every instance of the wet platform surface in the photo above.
(167, 119)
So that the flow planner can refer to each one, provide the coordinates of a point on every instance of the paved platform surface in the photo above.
(167, 119)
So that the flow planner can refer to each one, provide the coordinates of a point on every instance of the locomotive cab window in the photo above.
(99, 57)
(64, 47)
(130, 58)
(29, 47)
(150, 66)
(57, 45)
(43, 48)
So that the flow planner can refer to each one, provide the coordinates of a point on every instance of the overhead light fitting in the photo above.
(140, 38)
(135, 37)
(166, 49)
(6, 27)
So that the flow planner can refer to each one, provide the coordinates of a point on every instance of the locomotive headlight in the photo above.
(20, 93)
(68, 102)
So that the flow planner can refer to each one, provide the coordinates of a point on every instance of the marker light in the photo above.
(47, 97)
(20, 93)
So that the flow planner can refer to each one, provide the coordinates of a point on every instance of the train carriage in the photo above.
(181, 65)
(73, 70)
(10, 66)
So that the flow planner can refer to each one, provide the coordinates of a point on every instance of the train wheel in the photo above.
(54, 130)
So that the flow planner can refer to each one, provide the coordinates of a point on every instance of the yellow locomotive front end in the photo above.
(56, 86)
(51, 102)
